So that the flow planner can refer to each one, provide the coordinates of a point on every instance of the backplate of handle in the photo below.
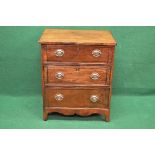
(96, 53)
(59, 75)
(94, 98)
(94, 76)
(59, 52)
(59, 97)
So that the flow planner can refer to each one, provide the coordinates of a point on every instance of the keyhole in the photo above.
(77, 69)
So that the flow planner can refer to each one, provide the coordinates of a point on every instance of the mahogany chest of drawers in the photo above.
(77, 67)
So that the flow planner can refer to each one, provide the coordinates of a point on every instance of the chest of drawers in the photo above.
(77, 67)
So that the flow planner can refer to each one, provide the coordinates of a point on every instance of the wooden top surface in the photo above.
(61, 36)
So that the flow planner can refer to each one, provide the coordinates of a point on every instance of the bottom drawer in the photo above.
(77, 97)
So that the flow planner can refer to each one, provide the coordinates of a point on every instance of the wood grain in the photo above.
(78, 53)
(70, 52)
(78, 75)
(78, 98)
(60, 36)
(78, 111)
(77, 63)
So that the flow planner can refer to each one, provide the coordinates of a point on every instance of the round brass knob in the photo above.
(59, 52)
(59, 97)
(59, 75)
(96, 53)
(94, 98)
(94, 76)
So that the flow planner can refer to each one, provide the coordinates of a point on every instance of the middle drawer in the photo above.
(77, 74)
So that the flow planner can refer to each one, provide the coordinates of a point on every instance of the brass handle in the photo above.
(59, 97)
(59, 75)
(96, 53)
(59, 52)
(94, 98)
(94, 76)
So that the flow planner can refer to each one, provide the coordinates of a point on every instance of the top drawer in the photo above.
(79, 53)
(61, 53)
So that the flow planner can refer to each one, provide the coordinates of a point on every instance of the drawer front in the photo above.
(78, 75)
(60, 53)
(94, 54)
(81, 53)
(78, 98)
